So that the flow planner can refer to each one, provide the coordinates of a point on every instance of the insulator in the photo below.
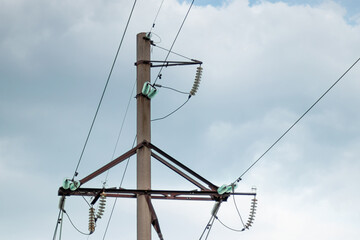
(152, 93)
(196, 81)
(91, 220)
(252, 213)
(74, 185)
(146, 88)
(226, 188)
(101, 208)
(66, 183)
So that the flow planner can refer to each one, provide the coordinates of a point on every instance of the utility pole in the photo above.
(143, 133)
(145, 150)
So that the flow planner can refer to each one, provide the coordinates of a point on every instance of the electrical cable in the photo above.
(210, 223)
(178, 54)
(157, 14)
(86, 201)
(61, 224)
(105, 87)
(170, 88)
(74, 224)
(252, 165)
(115, 201)
(208, 227)
(121, 128)
(232, 229)
(237, 210)
(172, 45)
(57, 224)
(161, 118)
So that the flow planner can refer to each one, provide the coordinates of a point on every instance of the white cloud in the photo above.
(264, 65)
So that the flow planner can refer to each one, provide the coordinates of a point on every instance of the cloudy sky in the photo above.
(265, 63)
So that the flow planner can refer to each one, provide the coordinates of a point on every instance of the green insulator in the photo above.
(152, 93)
(66, 183)
(74, 185)
(222, 189)
(146, 88)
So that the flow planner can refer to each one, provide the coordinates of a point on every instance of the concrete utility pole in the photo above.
(143, 133)
(146, 215)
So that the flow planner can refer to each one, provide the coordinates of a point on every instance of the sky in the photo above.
(265, 63)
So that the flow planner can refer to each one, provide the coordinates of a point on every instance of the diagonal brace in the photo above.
(154, 219)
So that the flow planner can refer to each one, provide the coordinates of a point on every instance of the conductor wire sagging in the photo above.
(196, 81)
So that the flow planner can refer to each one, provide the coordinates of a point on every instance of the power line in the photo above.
(121, 128)
(103, 93)
(172, 45)
(252, 165)
(58, 221)
(237, 210)
(115, 201)
(161, 118)
(170, 88)
(74, 224)
(230, 228)
(178, 54)
(157, 14)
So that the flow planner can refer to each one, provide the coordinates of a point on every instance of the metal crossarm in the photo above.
(167, 63)
(154, 194)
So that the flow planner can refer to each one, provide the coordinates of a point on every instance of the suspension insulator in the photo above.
(196, 81)
(91, 220)
(252, 213)
(101, 208)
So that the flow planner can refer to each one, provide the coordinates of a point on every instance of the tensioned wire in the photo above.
(318, 100)
(105, 87)
(115, 201)
(173, 43)
(121, 128)
(157, 14)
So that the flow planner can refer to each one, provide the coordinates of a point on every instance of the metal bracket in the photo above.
(168, 63)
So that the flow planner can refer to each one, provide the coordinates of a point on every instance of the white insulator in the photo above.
(252, 213)
(101, 208)
(196, 81)
(91, 220)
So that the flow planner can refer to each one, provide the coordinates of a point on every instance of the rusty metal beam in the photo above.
(158, 150)
(154, 218)
(178, 171)
(112, 163)
(154, 194)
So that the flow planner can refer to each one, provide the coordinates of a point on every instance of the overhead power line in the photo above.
(177, 109)
(120, 185)
(121, 128)
(172, 45)
(105, 87)
(318, 100)
(157, 14)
